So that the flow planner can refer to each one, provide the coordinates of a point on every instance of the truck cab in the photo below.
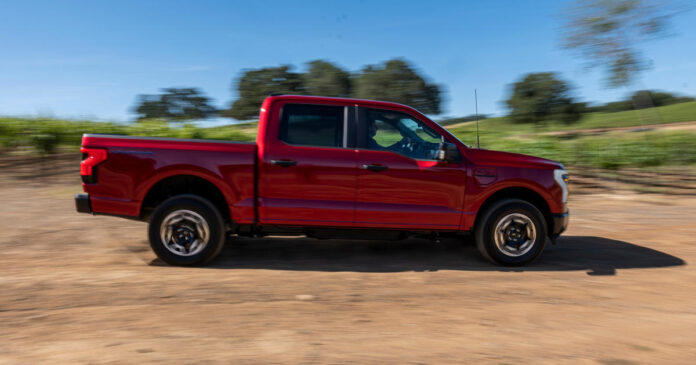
(327, 168)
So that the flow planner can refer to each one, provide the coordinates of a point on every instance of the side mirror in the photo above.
(448, 152)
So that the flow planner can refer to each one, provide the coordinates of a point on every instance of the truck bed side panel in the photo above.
(136, 164)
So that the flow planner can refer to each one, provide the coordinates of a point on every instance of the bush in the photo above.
(189, 131)
(640, 100)
(45, 138)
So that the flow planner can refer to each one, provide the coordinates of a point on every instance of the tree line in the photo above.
(534, 98)
(394, 80)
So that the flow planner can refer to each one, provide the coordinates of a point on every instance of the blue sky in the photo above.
(89, 59)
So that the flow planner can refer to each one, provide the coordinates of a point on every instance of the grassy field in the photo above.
(642, 147)
(504, 126)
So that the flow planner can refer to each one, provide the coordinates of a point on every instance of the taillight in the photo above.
(91, 157)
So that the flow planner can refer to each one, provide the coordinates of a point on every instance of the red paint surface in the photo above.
(410, 193)
(328, 186)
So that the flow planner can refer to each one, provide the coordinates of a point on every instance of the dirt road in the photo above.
(619, 288)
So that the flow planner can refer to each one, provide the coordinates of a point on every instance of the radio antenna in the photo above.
(478, 142)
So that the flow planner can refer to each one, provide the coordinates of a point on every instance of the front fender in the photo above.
(537, 181)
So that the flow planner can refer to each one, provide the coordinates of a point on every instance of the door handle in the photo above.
(284, 163)
(375, 167)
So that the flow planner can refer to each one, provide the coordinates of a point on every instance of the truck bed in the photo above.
(135, 164)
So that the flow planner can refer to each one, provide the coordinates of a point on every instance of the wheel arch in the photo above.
(522, 193)
(179, 184)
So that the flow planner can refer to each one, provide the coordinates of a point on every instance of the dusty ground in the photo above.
(619, 288)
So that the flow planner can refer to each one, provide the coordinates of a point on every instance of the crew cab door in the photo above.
(401, 183)
(307, 172)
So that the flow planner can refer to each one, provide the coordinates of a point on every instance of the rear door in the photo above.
(308, 173)
(401, 184)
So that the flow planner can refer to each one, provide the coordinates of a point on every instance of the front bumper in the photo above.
(560, 223)
(82, 203)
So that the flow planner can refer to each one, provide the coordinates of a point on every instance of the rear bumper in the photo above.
(82, 203)
(560, 223)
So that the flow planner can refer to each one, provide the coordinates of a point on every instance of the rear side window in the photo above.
(312, 125)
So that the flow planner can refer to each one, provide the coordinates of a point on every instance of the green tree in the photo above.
(538, 97)
(255, 85)
(397, 81)
(326, 79)
(649, 98)
(607, 33)
(175, 104)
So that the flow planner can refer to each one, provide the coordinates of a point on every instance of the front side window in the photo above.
(399, 132)
(312, 125)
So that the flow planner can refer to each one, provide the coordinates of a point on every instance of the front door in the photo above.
(308, 175)
(401, 183)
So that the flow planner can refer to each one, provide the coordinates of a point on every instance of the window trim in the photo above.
(344, 141)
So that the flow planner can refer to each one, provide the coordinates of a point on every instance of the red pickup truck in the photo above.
(326, 168)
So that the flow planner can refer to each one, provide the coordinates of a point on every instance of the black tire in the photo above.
(204, 209)
(484, 232)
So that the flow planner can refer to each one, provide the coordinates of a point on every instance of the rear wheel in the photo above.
(511, 232)
(186, 230)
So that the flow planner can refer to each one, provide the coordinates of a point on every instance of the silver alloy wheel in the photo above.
(184, 232)
(515, 234)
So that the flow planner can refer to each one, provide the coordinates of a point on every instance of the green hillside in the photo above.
(571, 144)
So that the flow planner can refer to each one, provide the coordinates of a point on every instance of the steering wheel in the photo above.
(415, 149)
(406, 144)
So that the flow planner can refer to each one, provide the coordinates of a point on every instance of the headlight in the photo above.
(561, 177)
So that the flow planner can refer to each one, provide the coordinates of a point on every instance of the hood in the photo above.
(489, 157)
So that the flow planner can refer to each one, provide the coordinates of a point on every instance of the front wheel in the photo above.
(511, 232)
(186, 230)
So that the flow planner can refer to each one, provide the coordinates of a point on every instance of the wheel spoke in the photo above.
(515, 234)
(184, 232)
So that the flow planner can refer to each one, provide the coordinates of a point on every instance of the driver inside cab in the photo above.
(399, 133)
(371, 143)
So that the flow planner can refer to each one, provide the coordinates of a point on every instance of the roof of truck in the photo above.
(311, 98)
